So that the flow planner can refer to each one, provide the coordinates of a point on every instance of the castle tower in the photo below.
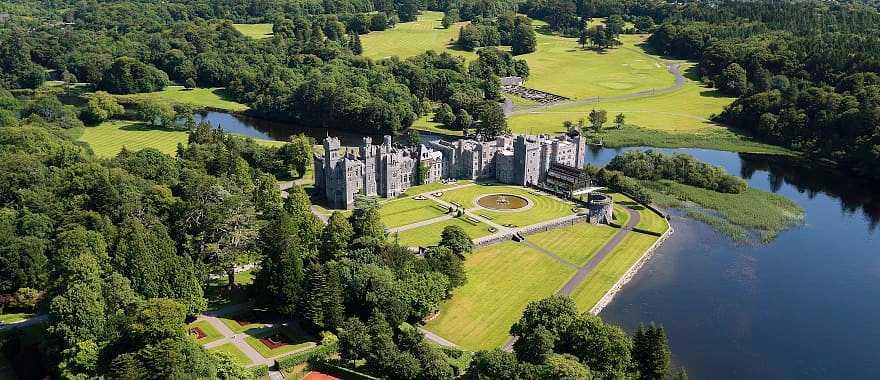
(526, 161)
(368, 157)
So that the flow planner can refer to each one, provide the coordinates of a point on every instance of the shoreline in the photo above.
(630, 273)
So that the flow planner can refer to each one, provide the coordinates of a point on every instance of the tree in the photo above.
(413, 137)
(565, 367)
(335, 238)
(443, 260)
(619, 121)
(597, 119)
(463, 121)
(444, 115)
(129, 75)
(493, 364)
(155, 112)
(602, 347)
(366, 223)
(267, 195)
(68, 79)
(523, 40)
(190, 84)
(450, 17)
(378, 21)
(614, 25)
(100, 106)
(354, 340)
(228, 368)
(296, 156)
(469, 38)
(542, 322)
(650, 353)
(492, 122)
(733, 80)
(456, 239)
(279, 279)
(407, 10)
(355, 44)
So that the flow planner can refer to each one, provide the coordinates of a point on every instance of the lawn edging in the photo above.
(631, 272)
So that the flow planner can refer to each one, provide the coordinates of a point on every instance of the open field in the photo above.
(611, 269)
(211, 334)
(576, 244)
(293, 336)
(401, 212)
(429, 235)
(233, 351)
(108, 138)
(545, 207)
(502, 279)
(254, 30)
(198, 97)
(413, 38)
(561, 67)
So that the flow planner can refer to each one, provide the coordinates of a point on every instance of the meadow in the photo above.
(429, 235)
(413, 38)
(213, 98)
(502, 279)
(256, 31)
(545, 207)
(108, 138)
(576, 244)
(606, 274)
(233, 351)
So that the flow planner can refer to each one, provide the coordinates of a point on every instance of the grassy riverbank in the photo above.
(214, 98)
(737, 215)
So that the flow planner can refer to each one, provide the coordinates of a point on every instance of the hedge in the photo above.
(259, 371)
(294, 360)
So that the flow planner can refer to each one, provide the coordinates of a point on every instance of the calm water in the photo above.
(272, 130)
(804, 306)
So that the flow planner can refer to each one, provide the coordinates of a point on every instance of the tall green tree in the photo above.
(650, 353)
(523, 39)
(456, 239)
(279, 280)
(597, 119)
(336, 237)
(369, 231)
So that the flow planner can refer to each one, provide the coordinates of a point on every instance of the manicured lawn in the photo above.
(241, 278)
(255, 319)
(413, 38)
(211, 334)
(255, 30)
(611, 269)
(14, 317)
(577, 243)
(621, 216)
(561, 67)
(429, 235)
(108, 138)
(427, 124)
(198, 97)
(294, 337)
(401, 212)
(648, 221)
(502, 279)
(433, 186)
(545, 207)
(233, 351)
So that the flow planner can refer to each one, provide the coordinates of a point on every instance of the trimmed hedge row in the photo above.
(259, 371)
(302, 357)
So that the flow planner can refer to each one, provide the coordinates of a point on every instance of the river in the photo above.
(803, 306)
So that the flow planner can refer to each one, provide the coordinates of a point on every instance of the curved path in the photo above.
(673, 68)
(583, 272)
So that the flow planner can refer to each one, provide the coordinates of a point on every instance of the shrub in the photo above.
(259, 371)
(317, 353)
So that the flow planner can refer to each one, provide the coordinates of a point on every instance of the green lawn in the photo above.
(14, 317)
(254, 318)
(296, 340)
(576, 244)
(429, 235)
(561, 67)
(198, 97)
(649, 220)
(621, 216)
(433, 186)
(108, 138)
(401, 212)
(255, 30)
(606, 274)
(427, 124)
(233, 351)
(545, 207)
(502, 279)
(211, 333)
(413, 38)
(241, 278)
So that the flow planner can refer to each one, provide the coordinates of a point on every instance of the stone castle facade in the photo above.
(387, 170)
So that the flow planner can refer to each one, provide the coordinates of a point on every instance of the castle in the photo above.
(387, 170)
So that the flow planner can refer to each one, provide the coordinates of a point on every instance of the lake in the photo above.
(803, 306)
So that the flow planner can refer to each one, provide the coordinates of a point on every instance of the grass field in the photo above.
(211, 333)
(241, 278)
(561, 67)
(297, 339)
(648, 221)
(611, 269)
(413, 38)
(401, 212)
(502, 279)
(433, 186)
(429, 235)
(197, 97)
(234, 326)
(426, 123)
(545, 207)
(233, 351)
(14, 317)
(108, 138)
(576, 244)
(255, 30)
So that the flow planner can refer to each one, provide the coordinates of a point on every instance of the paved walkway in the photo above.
(583, 272)
(673, 68)
(437, 338)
